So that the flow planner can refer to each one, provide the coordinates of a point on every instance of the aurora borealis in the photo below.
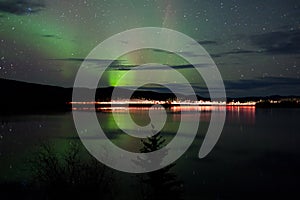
(255, 44)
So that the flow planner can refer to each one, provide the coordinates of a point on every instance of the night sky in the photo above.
(255, 44)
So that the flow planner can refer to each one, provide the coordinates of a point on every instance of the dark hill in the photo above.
(17, 96)
(22, 96)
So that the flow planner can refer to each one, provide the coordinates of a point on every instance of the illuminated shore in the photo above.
(150, 103)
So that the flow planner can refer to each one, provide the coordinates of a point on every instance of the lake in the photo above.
(257, 155)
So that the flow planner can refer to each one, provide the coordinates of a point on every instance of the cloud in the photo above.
(244, 88)
(235, 52)
(84, 59)
(262, 82)
(208, 42)
(51, 36)
(21, 7)
(190, 54)
(263, 86)
(115, 64)
(153, 67)
(161, 51)
(93, 63)
(279, 42)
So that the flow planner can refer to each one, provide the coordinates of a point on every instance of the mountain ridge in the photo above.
(24, 96)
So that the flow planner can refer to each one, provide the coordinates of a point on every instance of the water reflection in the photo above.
(258, 152)
(241, 113)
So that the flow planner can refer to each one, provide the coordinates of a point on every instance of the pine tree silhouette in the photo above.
(160, 184)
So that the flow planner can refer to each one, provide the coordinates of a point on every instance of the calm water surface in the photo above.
(257, 155)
